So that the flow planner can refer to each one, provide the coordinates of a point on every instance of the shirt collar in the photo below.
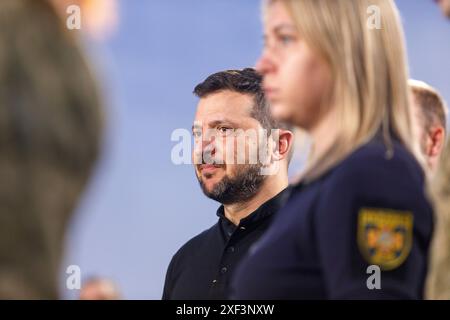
(267, 209)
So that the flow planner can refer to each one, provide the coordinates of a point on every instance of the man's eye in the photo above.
(197, 134)
(225, 130)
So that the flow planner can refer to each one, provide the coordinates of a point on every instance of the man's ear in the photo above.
(437, 137)
(284, 145)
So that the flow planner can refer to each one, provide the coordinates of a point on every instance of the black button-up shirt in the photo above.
(203, 267)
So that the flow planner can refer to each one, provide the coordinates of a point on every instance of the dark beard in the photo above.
(240, 188)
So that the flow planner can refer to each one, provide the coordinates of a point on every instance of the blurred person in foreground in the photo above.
(438, 281)
(99, 18)
(50, 130)
(445, 7)
(99, 289)
(358, 224)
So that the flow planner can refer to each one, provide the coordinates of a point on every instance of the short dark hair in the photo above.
(246, 81)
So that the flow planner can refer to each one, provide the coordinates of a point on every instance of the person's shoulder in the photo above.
(193, 245)
(377, 152)
(185, 256)
(375, 160)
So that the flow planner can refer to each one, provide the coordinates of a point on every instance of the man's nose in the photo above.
(208, 143)
(205, 146)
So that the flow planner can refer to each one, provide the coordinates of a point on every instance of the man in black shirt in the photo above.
(232, 106)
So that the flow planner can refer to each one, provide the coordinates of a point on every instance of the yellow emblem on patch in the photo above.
(385, 236)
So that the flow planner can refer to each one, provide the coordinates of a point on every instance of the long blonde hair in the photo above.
(368, 66)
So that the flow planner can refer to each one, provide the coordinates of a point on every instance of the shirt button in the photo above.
(224, 270)
(214, 281)
(242, 228)
(231, 249)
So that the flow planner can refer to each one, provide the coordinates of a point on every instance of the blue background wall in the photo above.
(140, 208)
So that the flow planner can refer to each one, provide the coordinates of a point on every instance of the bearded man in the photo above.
(233, 127)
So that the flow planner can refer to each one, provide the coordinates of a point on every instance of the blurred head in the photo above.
(99, 289)
(445, 6)
(50, 131)
(231, 116)
(430, 115)
(99, 17)
(322, 58)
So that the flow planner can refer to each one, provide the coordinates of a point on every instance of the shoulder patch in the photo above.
(385, 236)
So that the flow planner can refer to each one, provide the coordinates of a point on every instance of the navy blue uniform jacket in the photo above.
(369, 210)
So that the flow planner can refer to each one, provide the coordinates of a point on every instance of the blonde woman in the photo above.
(358, 225)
